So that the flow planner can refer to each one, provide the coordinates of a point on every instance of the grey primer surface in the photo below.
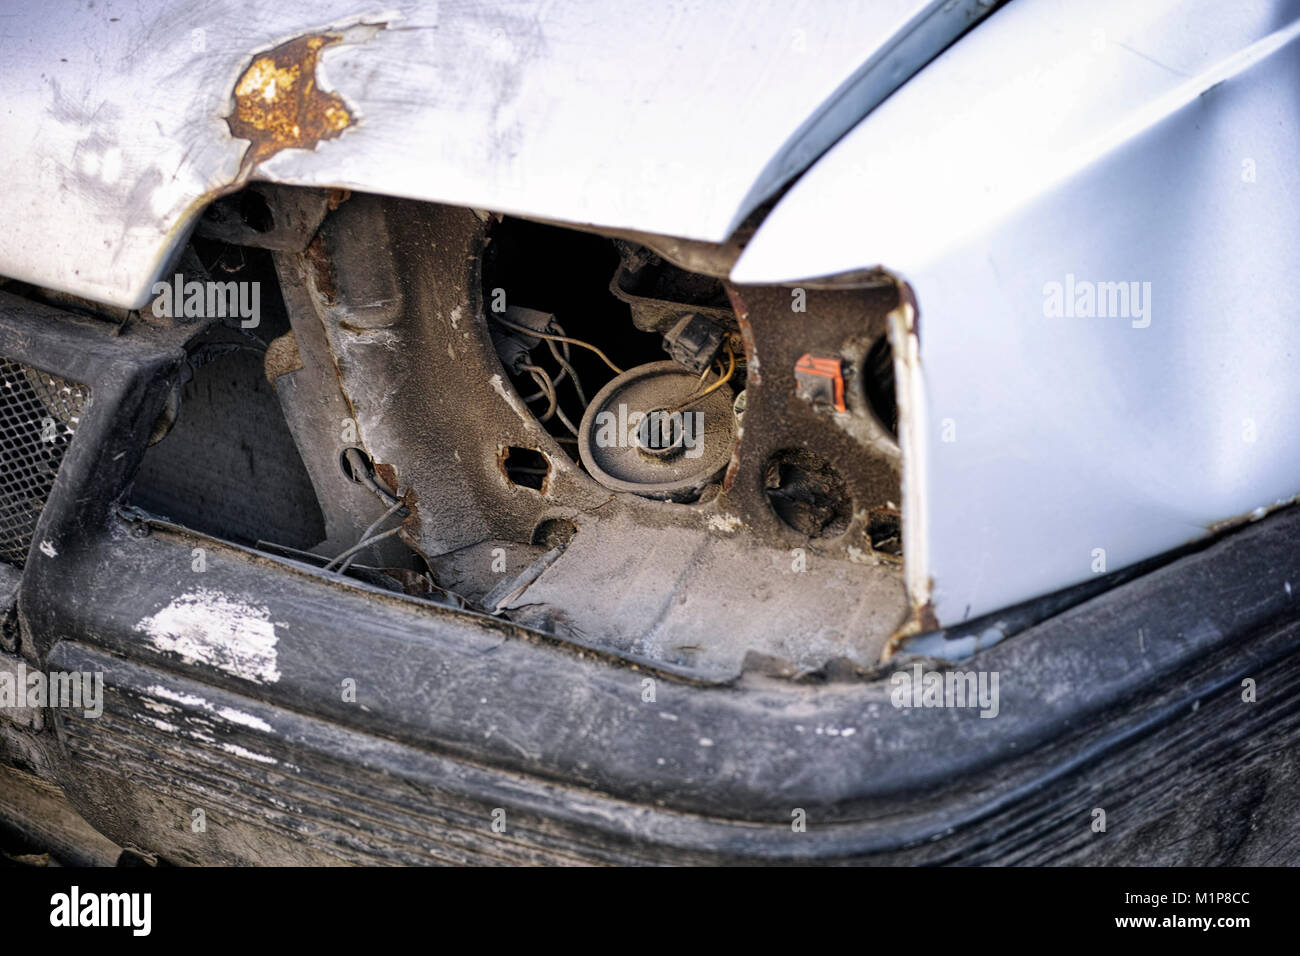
(1062, 162)
(675, 119)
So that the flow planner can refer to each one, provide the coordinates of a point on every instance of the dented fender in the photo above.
(1094, 206)
(125, 121)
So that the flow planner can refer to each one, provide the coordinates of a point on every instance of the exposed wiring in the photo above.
(563, 362)
(361, 470)
(496, 317)
(356, 549)
(559, 330)
(548, 388)
(542, 394)
(698, 397)
(368, 537)
(564, 420)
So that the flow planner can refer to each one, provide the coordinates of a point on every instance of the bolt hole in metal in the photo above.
(359, 467)
(525, 467)
(807, 494)
(355, 464)
(554, 533)
(886, 531)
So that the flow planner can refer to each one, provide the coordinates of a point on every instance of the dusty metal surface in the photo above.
(793, 451)
(710, 601)
(305, 379)
(658, 312)
(264, 216)
(633, 438)
(1100, 362)
(395, 287)
(672, 119)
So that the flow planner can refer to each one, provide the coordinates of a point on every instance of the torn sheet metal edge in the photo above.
(1079, 440)
(910, 390)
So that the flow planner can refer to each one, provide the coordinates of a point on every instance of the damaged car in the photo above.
(557, 433)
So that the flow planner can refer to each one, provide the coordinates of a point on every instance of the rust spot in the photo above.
(322, 272)
(920, 620)
(1227, 524)
(729, 477)
(752, 374)
(387, 475)
(278, 104)
(925, 619)
(410, 533)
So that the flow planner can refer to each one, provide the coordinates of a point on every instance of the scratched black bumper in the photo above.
(383, 729)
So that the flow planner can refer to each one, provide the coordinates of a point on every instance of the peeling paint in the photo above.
(1256, 514)
(208, 628)
(226, 713)
(385, 338)
(279, 101)
(239, 751)
(499, 386)
(725, 523)
(922, 620)
(165, 726)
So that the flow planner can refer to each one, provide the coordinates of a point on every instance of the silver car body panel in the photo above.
(666, 118)
(1097, 208)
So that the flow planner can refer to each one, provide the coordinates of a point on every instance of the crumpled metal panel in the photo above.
(1051, 430)
(671, 118)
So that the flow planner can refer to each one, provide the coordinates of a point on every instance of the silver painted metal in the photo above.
(669, 118)
(1097, 207)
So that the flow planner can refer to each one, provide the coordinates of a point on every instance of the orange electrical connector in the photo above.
(821, 380)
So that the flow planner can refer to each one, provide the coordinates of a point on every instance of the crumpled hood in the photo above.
(677, 119)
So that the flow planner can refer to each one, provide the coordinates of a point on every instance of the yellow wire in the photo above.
(696, 399)
(557, 338)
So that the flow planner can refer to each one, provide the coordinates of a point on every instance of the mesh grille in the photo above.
(38, 414)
